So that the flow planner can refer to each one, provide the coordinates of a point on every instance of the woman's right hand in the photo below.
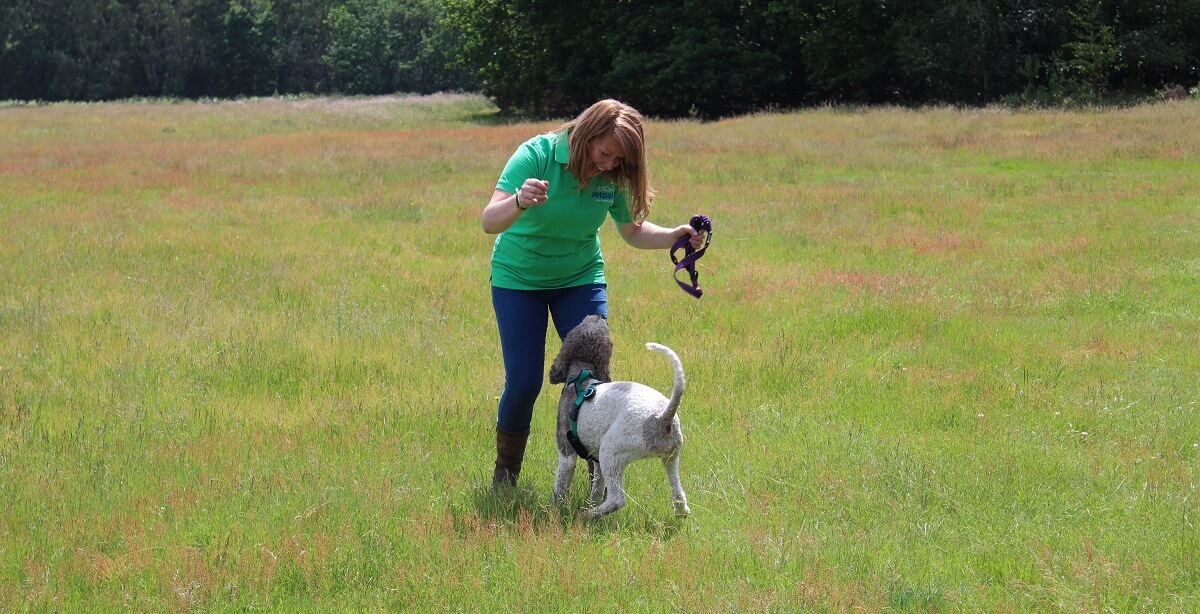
(533, 192)
(505, 208)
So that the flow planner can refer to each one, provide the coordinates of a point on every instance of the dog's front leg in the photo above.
(564, 476)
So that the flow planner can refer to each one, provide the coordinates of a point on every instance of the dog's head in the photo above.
(587, 346)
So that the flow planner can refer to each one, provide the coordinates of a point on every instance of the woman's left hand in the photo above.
(697, 240)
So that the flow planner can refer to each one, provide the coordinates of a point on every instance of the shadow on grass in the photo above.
(515, 506)
(663, 528)
(521, 509)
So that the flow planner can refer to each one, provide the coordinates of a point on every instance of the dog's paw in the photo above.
(592, 513)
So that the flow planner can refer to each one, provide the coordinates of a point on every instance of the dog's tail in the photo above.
(677, 391)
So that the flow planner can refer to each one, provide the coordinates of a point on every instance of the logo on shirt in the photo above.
(605, 193)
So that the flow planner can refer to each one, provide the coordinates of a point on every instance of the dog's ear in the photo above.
(558, 371)
(602, 374)
(604, 350)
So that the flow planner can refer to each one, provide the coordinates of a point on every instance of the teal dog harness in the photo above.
(585, 388)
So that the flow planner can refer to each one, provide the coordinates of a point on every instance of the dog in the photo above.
(615, 423)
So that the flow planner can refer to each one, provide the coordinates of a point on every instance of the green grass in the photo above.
(946, 360)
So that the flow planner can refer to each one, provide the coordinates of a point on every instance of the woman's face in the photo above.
(604, 155)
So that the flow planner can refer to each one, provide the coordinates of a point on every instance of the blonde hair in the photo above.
(624, 123)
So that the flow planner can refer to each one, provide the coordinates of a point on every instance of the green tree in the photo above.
(1157, 43)
(672, 57)
(429, 64)
(24, 50)
(1093, 56)
(303, 39)
(849, 50)
(669, 57)
(88, 49)
(169, 48)
(697, 57)
(500, 46)
(382, 46)
(361, 53)
(244, 49)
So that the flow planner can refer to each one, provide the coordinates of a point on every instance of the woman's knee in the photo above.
(516, 406)
(523, 389)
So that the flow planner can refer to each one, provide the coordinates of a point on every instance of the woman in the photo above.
(550, 201)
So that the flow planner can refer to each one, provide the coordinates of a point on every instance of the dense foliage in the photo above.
(668, 57)
(716, 57)
(105, 49)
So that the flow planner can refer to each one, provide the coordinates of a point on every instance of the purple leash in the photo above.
(691, 255)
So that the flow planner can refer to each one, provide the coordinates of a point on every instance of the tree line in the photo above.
(671, 58)
(110, 49)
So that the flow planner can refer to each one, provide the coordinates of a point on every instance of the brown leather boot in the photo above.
(510, 451)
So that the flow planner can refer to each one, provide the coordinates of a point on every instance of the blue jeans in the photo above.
(522, 318)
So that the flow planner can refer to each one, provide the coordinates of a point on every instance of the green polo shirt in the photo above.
(556, 244)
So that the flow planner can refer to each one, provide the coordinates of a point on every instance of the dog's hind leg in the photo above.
(564, 476)
(671, 464)
(597, 494)
(613, 469)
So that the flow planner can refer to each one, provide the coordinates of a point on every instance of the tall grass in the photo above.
(946, 360)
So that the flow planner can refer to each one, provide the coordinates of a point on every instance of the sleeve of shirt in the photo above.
(619, 211)
(523, 164)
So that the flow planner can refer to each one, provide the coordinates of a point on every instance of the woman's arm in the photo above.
(653, 236)
(502, 211)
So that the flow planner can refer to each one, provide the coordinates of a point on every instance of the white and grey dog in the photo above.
(615, 422)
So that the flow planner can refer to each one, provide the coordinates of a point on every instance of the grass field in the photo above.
(946, 360)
